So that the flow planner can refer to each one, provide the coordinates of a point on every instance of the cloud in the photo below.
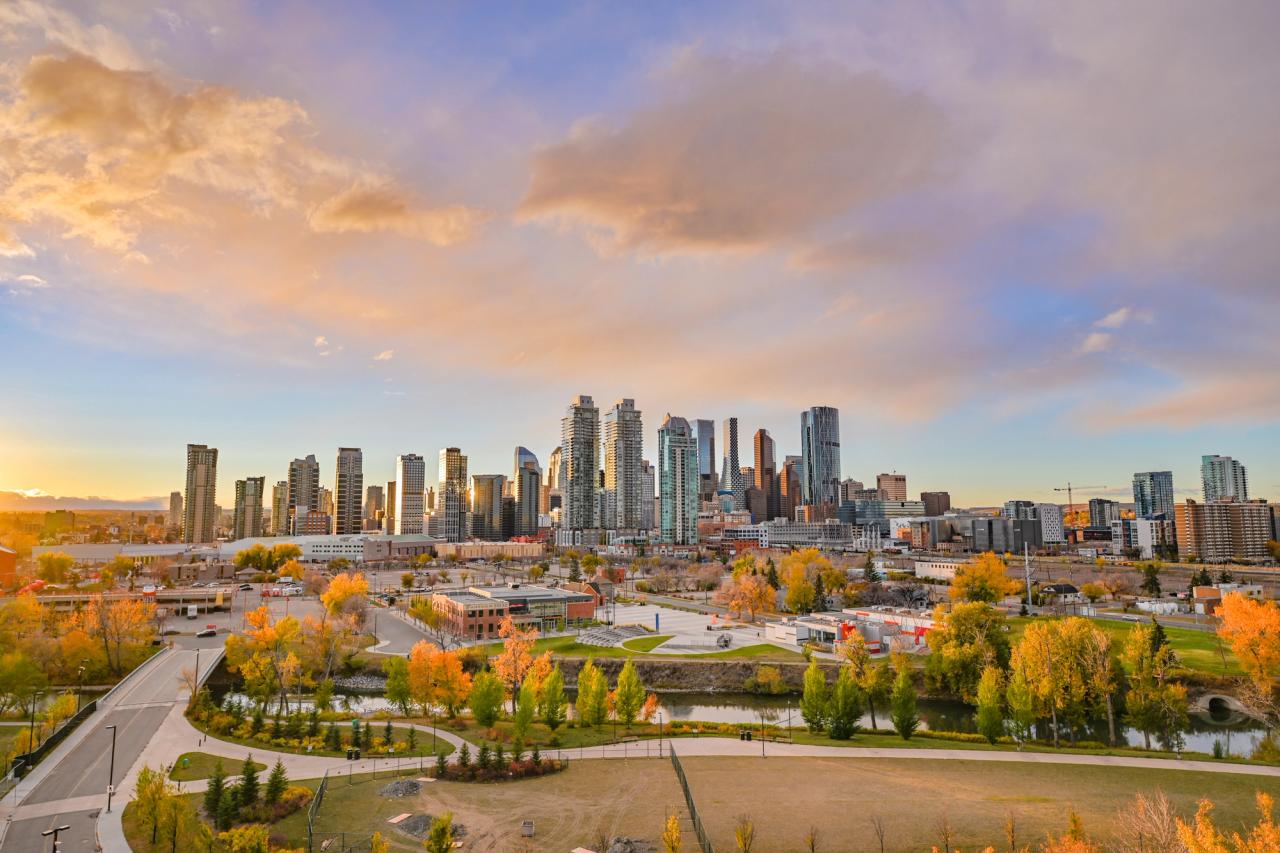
(742, 154)
(1114, 320)
(321, 341)
(385, 355)
(65, 29)
(11, 246)
(363, 209)
(1095, 342)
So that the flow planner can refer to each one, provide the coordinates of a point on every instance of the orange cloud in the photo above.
(363, 209)
(742, 155)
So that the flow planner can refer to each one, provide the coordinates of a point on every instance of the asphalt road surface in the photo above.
(24, 836)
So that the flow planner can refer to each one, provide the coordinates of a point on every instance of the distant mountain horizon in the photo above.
(21, 502)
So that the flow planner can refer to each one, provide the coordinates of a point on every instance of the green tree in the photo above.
(990, 715)
(845, 706)
(440, 836)
(630, 694)
(554, 701)
(277, 782)
(1154, 704)
(526, 707)
(903, 702)
(1151, 578)
(815, 699)
(973, 637)
(593, 695)
(397, 689)
(1022, 706)
(227, 811)
(486, 698)
(247, 789)
(55, 566)
(214, 794)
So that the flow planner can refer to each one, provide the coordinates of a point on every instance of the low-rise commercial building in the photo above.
(477, 613)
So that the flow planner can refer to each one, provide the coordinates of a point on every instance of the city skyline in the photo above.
(1047, 251)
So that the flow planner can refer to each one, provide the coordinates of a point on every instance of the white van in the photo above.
(191, 611)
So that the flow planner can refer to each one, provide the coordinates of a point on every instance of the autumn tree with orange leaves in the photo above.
(1252, 629)
(514, 661)
(266, 656)
(436, 678)
(122, 628)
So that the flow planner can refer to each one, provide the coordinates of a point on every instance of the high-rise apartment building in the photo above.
(486, 506)
(648, 483)
(580, 454)
(326, 501)
(348, 491)
(452, 500)
(1102, 512)
(705, 432)
(731, 472)
(1223, 478)
(1153, 494)
(679, 481)
(935, 503)
(526, 488)
(175, 509)
(623, 453)
(304, 488)
(551, 491)
(820, 455)
(1218, 531)
(199, 512)
(411, 480)
(789, 490)
(892, 486)
(280, 508)
(766, 475)
(248, 517)
(1018, 509)
(389, 517)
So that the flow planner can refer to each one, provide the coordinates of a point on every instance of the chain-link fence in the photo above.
(703, 841)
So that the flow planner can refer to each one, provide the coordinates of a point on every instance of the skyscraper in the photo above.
(348, 489)
(452, 499)
(411, 479)
(820, 456)
(679, 479)
(175, 509)
(527, 491)
(623, 452)
(304, 487)
(766, 475)
(1153, 494)
(389, 519)
(647, 495)
(580, 449)
(1223, 478)
(199, 515)
(248, 517)
(731, 470)
(789, 491)
(705, 432)
(551, 494)
(486, 506)
(892, 486)
(280, 508)
(935, 503)
(375, 502)
(1102, 512)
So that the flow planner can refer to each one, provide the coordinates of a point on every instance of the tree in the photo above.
(874, 680)
(983, 579)
(970, 638)
(630, 694)
(671, 834)
(250, 838)
(452, 683)
(1146, 824)
(1093, 591)
(123, 628)
(397, 689)
(801, 593)
(814, 701)
(1022, 705)
(526, 707)
(593, 690)
(378, 844)
(903, 701)
(1150, 578)
(591, 564)
(55, 566)
(247, 788)
(149, 796)
(1153, 704)
(554, 702)
(1252, 629)
(744, 833)
(990, 716)
(440, 836)
(277, 782)
(513, 662)
(1204, 837)
(346, 593)
(746, 593)
(486, 698)
(406, 580)
(845, 706)
(216, 791)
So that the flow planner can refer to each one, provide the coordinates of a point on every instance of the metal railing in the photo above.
(313, 808)
(703, 841)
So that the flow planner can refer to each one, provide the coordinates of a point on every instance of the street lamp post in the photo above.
(79, 686)
(54, 832)
(111, 772)
(31, 732)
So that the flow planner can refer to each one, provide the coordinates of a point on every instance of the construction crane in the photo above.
(1071, 505)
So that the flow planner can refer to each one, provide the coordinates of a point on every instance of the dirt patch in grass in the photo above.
(839, 796)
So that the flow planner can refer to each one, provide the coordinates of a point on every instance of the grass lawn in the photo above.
(1196, 650)
(588, 801)
(566, 737)
(646, 644)
(200, 766)
(399, 733)
(914, 798)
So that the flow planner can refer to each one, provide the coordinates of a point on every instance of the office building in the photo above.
(935, 503)
(1018, 509)
(1051, 527)
(175, 509)
(705, 432)
(1223, 478)
(452, 504)
(326, 501)
(850, 489)
(731, 481)
(1222, 530)
(348, 490)
(766, 476)
(789, 490)
(526, 489)
(892, 486)
(280, 508)
(1102, 512)
(486, 507)
(248, 512)
(1153, 494)
(623, 453)
(679, 482)
(820, 456)
(375, 506)
(648, 491)
(411, 480)
(304, 488)
(389, 516)
(199, 505)
(580, 464)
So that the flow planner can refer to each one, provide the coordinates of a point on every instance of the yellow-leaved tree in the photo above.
(983, 579)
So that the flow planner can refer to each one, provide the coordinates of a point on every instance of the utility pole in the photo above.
(57, 845)
(1026, 569)
(111, 773)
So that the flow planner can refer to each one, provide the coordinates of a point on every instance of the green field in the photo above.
(646, 644)
(1196, 650)
(199, 765)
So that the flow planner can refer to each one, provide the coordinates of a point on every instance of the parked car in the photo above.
(207, 632)
(197, 585)
(246, 586)
(291, 590)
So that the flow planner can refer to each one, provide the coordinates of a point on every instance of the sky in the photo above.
(1015, 244)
